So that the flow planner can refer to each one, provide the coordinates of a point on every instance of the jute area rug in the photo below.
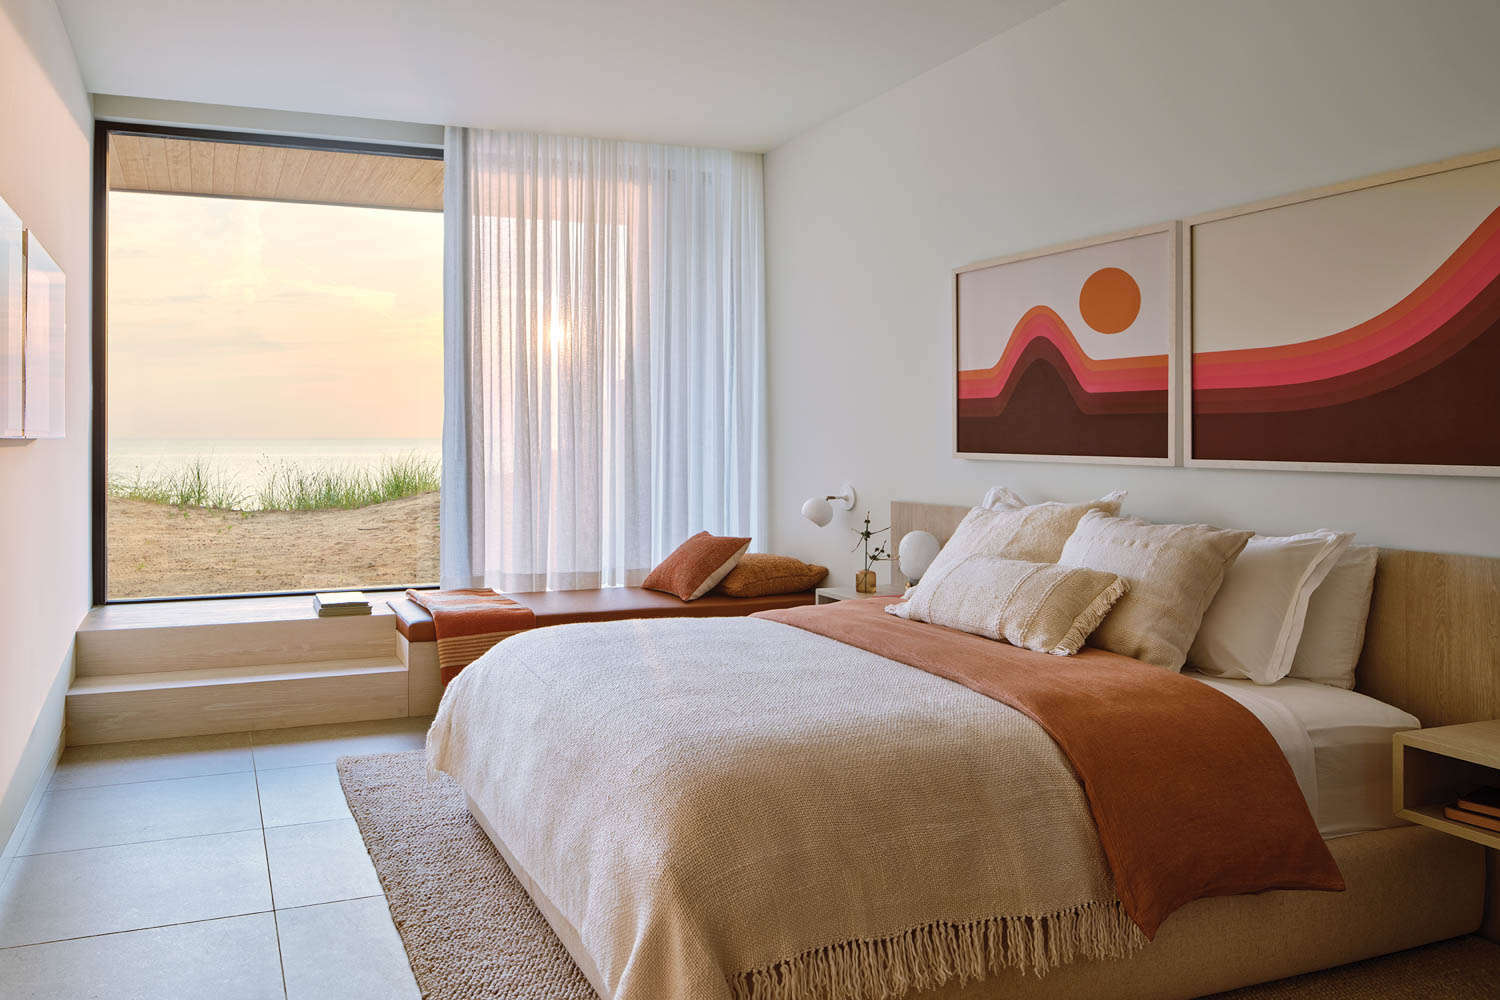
(472, 933)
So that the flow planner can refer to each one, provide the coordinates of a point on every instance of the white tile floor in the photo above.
(219, 866)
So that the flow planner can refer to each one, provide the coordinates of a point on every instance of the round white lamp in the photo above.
(917, 551)
(819, 510)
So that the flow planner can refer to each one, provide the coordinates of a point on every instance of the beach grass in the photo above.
(284, 486)
(194, 484)
(289, 486)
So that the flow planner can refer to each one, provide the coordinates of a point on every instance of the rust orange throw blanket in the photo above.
(469, 622)
(1190, 794)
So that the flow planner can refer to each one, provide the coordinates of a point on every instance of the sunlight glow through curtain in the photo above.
(604, 357)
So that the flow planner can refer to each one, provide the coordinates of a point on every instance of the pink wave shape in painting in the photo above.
(1140, 374)
(1471, 268)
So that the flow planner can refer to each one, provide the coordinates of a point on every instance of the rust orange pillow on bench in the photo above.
(760, 574)
(697, 565)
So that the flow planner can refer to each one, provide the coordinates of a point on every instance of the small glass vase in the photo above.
(864, 581)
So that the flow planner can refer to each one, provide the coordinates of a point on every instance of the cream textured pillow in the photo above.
(1040, 606)
(1253, 626)
(1014, 530)
(1173, 571)
(1335, 630)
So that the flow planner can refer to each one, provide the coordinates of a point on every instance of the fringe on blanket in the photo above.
(927, 957)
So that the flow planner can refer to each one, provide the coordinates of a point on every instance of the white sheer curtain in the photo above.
(604, 342)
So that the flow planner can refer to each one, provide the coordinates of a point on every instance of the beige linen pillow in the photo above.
(1335, 630)
(1039, 606)
(1173, 571)
(1253, 626)
(1014, 530)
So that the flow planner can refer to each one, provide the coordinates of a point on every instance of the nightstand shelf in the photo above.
(1433, 767)
(827, 595)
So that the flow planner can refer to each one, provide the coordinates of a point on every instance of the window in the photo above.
(273, 359)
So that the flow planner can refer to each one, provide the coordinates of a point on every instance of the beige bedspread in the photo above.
(705, 799)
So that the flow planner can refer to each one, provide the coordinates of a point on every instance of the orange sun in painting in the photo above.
(1110, 300)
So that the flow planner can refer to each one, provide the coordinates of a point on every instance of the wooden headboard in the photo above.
(1432, 645)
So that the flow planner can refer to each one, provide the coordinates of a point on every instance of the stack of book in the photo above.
(1480, 807)
(348, 602)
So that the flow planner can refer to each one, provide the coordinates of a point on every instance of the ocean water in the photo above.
(249, 461)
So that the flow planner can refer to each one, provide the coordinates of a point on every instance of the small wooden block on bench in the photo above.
(417, 642)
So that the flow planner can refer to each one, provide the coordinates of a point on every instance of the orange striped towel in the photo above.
(469, 622)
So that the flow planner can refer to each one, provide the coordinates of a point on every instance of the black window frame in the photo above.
(99, 340)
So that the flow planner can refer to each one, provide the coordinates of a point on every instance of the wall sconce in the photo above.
(819, 510)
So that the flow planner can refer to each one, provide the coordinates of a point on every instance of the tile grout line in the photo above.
(185, 923)
(135, 843)
(51, 789)
(270, 883)
(133, 930)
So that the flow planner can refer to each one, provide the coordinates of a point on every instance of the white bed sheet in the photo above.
(1338, 743)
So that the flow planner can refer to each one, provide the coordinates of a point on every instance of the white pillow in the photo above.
(1005, 498)
(1253, 626)
(1335, 629)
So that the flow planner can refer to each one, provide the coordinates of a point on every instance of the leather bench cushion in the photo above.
(560, 607)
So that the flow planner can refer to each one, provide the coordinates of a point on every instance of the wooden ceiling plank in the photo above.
(417, 193)
(226, 165)
(315, 175)
(272, 161)
(202, 171)
(116, 175)
(132, 163)
(179, 165)
(247, 170)
(154, 154)
(431, 197)
(354, 168)
(292, 171)
(392, 177)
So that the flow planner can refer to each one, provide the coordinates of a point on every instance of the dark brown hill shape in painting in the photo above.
(1044, 411)
(1447, 414)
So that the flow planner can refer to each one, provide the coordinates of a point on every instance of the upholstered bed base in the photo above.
(1407, 886)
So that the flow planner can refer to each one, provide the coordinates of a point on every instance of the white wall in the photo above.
(45, 142)
(1094, 116)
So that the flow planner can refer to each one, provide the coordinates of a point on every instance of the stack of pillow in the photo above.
(720, 564)
(1051, 576)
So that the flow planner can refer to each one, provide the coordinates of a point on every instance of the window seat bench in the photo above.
(416, 641)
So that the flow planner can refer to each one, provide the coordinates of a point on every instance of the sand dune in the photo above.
(157, 550)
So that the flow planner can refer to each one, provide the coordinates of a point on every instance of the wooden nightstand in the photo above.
(827, 595)
(1433, 767)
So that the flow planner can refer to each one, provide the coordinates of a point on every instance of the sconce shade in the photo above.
(818, 511)
(917, 551)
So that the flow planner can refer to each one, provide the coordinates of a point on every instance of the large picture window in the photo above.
(273, 360)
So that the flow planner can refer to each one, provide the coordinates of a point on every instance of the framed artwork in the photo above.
(46, 344)
(12, 315)
(1353, 328)
(1068, 354)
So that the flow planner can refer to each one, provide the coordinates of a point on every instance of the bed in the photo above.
(1404, 885)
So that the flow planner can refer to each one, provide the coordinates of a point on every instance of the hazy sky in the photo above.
(250, 319)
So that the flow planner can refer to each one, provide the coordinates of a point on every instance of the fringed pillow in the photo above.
(1039, 606)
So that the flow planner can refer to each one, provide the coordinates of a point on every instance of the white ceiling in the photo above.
(743, 74)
